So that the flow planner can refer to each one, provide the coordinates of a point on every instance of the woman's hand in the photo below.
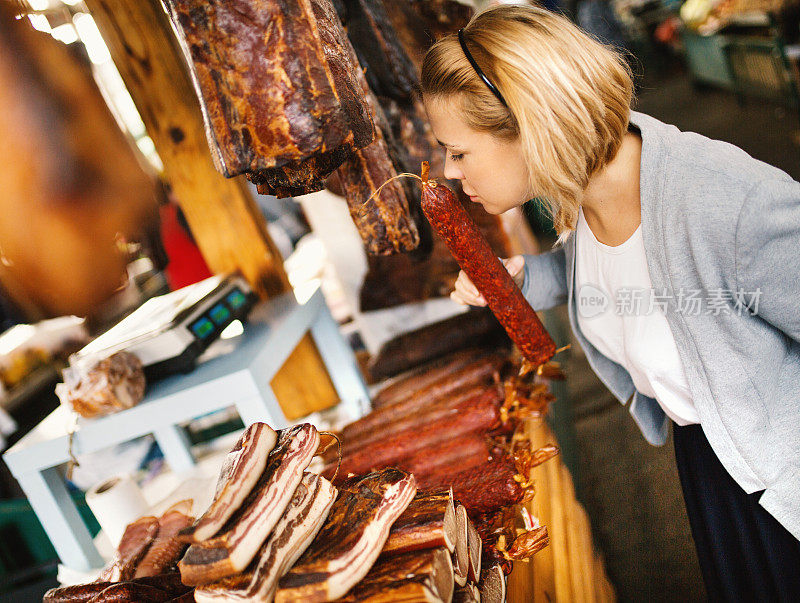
(467, 293)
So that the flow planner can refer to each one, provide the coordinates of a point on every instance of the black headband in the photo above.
(477, 69)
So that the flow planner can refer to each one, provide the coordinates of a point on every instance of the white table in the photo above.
(239, 378)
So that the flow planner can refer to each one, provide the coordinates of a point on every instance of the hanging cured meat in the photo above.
(286, 103)
(386, 224)
(279, 96)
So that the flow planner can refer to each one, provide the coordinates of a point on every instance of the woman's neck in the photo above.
(611, 203)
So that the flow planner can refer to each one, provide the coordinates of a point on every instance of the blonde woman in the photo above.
(678, 259)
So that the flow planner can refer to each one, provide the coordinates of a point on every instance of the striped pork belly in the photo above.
(240, 472)
(292, 535)
(243, 534)
(351, 539)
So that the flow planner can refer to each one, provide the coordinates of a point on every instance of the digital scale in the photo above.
(167, 333)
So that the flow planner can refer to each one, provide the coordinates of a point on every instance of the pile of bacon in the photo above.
(457, 423)
(277, 531)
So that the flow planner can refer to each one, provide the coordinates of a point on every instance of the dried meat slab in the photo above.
(240, 539)
(425, 575)
(385, 223)
(351, 539)
(303, 518)
(133, 546)
(166, 549)
(279, 103)
(240, 471)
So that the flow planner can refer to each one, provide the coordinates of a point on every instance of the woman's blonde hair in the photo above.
(568, 96)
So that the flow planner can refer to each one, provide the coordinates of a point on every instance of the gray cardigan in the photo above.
(724, 228)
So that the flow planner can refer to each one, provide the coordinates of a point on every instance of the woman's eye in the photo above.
(456, 157)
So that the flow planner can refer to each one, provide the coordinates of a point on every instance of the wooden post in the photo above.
(223, 216)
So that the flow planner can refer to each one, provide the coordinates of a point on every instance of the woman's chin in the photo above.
(492, 209)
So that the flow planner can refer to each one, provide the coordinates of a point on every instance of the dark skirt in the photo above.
(744, 553)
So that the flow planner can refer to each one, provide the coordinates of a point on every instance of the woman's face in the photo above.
(491, 169)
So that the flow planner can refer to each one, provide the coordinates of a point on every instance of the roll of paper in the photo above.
(116, 502)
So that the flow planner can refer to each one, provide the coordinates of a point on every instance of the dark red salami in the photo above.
(472, 252)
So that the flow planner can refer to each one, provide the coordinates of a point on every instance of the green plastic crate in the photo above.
(24, 545)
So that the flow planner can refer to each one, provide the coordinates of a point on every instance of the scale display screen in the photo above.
(220, 314)
(202, 327)
(236, 299)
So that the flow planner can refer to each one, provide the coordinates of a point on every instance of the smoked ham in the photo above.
(133, 545)
(166, 549)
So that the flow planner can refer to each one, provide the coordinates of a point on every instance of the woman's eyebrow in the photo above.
(445, 145)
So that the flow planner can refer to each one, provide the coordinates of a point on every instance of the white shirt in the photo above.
(619, 315)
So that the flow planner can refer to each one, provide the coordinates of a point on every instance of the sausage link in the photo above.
(472, 252)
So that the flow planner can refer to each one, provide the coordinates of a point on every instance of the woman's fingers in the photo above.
(515, 265)
(466, 293)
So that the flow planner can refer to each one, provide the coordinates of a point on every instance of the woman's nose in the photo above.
(451, 171)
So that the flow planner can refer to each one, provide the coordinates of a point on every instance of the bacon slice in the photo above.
(133, 545)
(248, 528)
(240, 472)
(292, 535)
(166, 548)
(351, 539)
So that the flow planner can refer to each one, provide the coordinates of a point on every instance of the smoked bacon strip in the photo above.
(240, 471)
(351, 539)
(305, 515)
(232, 550)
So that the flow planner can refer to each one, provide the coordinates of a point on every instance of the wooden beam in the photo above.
(225, 221)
